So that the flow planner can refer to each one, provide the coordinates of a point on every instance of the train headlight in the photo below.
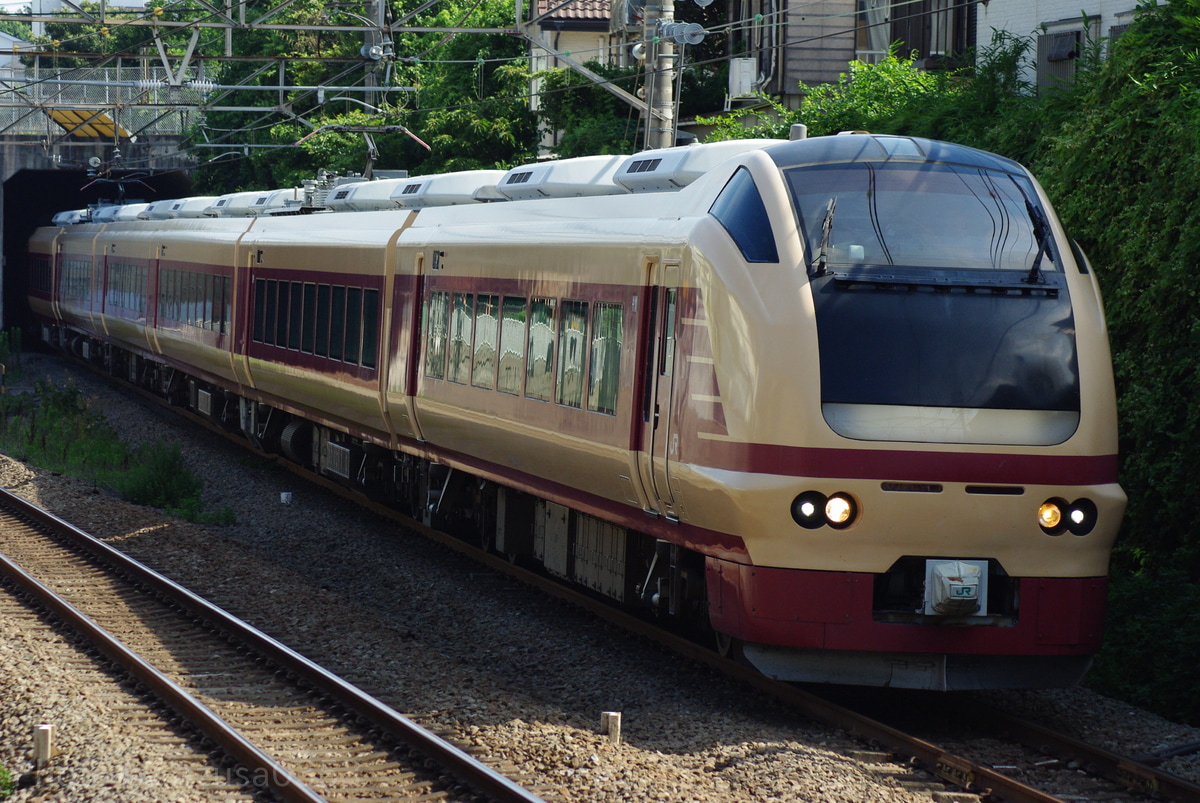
(1050, 516)
(813, 509)
(808, 509)
(1081, 516)
(840, 510)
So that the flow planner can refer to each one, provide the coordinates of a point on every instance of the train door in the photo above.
(660, 442)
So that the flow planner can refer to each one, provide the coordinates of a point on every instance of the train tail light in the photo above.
(813, 509)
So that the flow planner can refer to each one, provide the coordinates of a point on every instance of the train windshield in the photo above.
(919, 215)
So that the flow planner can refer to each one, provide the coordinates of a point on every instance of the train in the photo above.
(842, 404)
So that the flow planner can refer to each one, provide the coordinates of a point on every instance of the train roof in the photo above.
(247, 204)
(861, 147)
(566, 178)
(449, 189)
(669, 169)
(652, 171)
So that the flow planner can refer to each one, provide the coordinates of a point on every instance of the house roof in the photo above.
(577, 10)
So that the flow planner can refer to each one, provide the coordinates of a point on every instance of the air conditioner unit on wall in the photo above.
(742, 75)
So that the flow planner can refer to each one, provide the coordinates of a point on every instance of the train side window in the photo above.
(322, 333)
(210, 301)
(487, 321)
(310, 318)
(226, 304)
(143, 288)
(604, 368)
(281, 314)
(666, 365)
(337, 323)
(572, 333)
(740, 209)
(461, 320)
(260, 310)
(194, 298)
(296, 313)
(539, 376)
(370, 328)
(353, 324)
(512, 346)
(438, 322)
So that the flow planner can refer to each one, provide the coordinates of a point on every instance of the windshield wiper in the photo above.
(1041, 230)
(819, 264)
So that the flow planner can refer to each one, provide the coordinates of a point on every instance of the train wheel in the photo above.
(727, 646)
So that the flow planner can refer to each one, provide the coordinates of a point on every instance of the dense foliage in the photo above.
(1118, 151)
(56, 427)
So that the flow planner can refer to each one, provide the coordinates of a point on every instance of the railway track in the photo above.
(1051, 750)
(1009, 781)
(292, 727)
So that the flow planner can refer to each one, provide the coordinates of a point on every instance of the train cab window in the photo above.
(512, 346)
(337, 323)
(487, 322)
(604, 368)
(438, 322)
(572, 337)
(354, 326)
(370, 328)
(968, 218)
(321, 335)
(461, 318)
(539, 367)
(741, 210)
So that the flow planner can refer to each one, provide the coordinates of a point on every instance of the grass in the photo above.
(56, 428)
(8, 784)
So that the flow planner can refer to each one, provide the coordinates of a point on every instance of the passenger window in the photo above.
(483, 372)
(281, 315)
(512, 346)
(604, 370)
(370, 327)
(296, 306)
(572, 334)
(741, 211)
(322, 333)
(437, 321)
(310, 318)
(337, 323)
(353, 324)
(539, 376)
(268, 318)
(460, 338)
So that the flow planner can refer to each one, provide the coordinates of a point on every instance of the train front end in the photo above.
(952, 473)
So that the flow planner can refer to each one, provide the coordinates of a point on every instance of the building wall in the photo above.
(1047, 21)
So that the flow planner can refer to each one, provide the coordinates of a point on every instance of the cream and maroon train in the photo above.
(845, 400)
